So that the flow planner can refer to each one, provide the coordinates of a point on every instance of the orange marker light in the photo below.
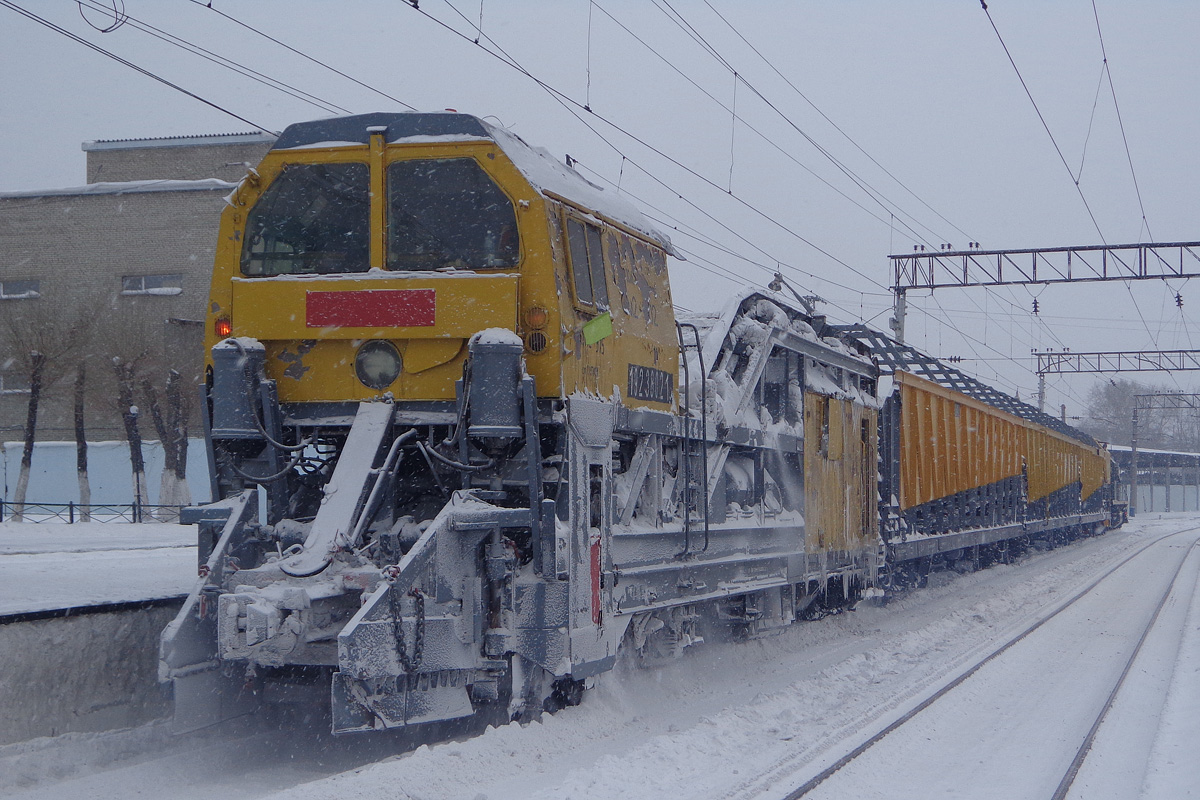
(223, 327)
(536, 317)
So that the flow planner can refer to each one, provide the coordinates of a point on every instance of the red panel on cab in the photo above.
(376, 308)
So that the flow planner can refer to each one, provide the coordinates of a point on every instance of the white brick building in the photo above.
(134, 247)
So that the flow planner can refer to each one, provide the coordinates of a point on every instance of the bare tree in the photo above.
(37, 366)
(126, 374)
(136, 348)
(81, 460)
(43, 339)
(1110, 417)
(172, 435)
(166, 481)
(177, 422)
(1110, 410)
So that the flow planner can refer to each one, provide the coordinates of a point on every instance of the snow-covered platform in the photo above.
(81, 608)
(52, 567)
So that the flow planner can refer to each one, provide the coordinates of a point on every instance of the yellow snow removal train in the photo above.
(494, 458)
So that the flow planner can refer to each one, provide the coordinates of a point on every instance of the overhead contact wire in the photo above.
(567, 100)
(1120, 121)
(737, 118)
(310, 58)
(208, 55)
(1045, 125)
(836, 127)
(863, 185)
(125, 62)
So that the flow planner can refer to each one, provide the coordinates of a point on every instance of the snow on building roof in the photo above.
(180, 141)
(127, 187)
(1124, 448)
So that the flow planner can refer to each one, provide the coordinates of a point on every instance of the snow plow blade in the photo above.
(345, 492)
(188, 646)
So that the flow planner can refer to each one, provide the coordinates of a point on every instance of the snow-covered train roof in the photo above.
(714, 327)
(545, 172)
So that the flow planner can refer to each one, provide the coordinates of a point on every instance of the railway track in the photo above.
(1063, 789)
(685, 731)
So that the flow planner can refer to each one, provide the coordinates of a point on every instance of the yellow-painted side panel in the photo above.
(640, 307)
(841, 496)
(950, 443)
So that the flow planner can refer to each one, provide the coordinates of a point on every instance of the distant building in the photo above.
(135, 248)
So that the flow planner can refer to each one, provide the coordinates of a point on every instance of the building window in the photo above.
(20, 289)
(13, 381)
(152, 284)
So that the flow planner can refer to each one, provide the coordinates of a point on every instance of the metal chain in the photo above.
(419, 633)
(413, 663)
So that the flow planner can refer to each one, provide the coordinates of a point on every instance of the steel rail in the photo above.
(828, 772)
(1068, 779)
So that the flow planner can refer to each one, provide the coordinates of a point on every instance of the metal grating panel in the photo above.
(893, 355)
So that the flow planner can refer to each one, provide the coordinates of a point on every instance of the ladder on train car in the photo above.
(693, 449)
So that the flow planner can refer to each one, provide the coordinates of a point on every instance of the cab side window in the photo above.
(587, 264)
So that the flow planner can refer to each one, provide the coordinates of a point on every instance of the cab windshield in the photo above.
(448, 213)
(312, 220)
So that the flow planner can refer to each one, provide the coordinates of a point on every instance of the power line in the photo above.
(57, 29)
(684, 229)
(785, 152)
(1091, 121)
(690, 231)
(308, 57)
(836, 127)
(779, 264)
(1058, 150)
(220, 60)
(968, 339)
(699, 38)
(572, 105)
(1029, 94)
(891, 207)
(1120, 121)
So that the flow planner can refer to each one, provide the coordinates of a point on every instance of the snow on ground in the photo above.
(735, 721)
(1172, 770)
(1015, 725)
(81, 537)
(51, 566)
(741, 721)
(1147, 745)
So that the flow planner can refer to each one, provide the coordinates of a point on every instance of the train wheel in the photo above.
(536, 691)
(566, 691)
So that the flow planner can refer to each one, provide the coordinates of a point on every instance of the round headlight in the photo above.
(377, 364)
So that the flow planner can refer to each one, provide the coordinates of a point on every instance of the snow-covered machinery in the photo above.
(488, 455)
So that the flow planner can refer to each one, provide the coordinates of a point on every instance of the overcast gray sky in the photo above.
(923, 89)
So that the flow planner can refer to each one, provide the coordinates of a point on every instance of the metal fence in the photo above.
(94, 512)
